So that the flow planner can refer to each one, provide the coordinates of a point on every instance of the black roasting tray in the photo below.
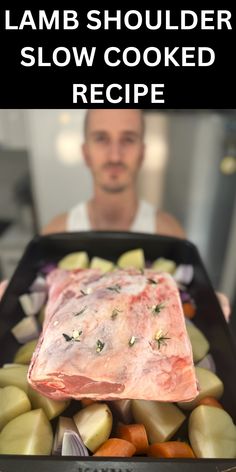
(209, 319)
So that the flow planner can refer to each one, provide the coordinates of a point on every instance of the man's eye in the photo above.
(129, 140)
(100, 138)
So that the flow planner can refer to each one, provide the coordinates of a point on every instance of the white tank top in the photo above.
(144, 222)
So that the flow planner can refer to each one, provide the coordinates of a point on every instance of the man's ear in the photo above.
(85, 154)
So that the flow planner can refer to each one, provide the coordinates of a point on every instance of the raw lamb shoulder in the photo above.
(113, 336)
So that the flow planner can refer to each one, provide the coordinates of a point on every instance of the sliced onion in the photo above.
(8, 366)
(181, 286)
(184, 274)
(26, 330)
(122, 408)
(47, 268)
(207, 363)
(72, 445)
(63, 424)
(39, 284)
(31, 303)
(148, 264)
(185, 297)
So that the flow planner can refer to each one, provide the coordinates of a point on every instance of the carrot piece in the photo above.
(210, 401)
(135, 434)
(170, 449)
(189, 310)
(86, 402)
(116, 447)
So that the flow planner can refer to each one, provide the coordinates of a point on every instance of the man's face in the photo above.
(114, 148)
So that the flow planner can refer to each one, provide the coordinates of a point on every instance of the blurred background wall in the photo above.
(190, 171)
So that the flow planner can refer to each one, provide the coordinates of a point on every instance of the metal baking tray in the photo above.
(209, 318)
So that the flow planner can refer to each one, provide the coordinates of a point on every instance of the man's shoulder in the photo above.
(56, 225)
(168, 225)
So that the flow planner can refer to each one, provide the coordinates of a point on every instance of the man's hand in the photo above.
(3, 286)
(225, 305)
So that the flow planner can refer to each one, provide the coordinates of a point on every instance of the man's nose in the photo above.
(115, 152)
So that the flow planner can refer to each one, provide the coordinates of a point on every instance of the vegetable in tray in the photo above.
(31, 423)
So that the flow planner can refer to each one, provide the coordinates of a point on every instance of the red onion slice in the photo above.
(122, 408)
(47, 268)
(64, 424)
(72, 445)
(39, 284)
(184, 274)
(185, 297)
(207, 363)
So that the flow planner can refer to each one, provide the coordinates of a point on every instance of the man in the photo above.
(114, 151)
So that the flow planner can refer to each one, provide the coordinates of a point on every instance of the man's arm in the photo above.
(57, 225)
(167, 225)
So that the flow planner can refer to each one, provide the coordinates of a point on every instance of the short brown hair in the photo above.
(86, 120)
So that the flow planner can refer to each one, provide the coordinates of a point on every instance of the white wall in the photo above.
(228, 279)
(12, 129)
(152, 176)
(60, 178)
(208, 138)
(192, 175)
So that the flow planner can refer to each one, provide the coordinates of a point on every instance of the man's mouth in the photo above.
(115, 169)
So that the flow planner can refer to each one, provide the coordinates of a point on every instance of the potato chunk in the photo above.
(200, 345)
(103, 264)
(161, 420)
(51, 408)
(74, 260)
(94, 424)
(209, 384)
(133, 258)
(164, 265)
(16, 376)
(25, 352)
(212, 433)
(29, 433)
(14, 402)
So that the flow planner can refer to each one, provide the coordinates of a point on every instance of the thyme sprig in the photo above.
(115, 313)
(132, 341)
(81, 311)
(75, 336)
(161, 338)
(86, 291)
(115, 288)
(67, 337)
(152, 281)
(83, 292)
(100, 345)
(156, 309)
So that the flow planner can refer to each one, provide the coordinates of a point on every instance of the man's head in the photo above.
(113, 147)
